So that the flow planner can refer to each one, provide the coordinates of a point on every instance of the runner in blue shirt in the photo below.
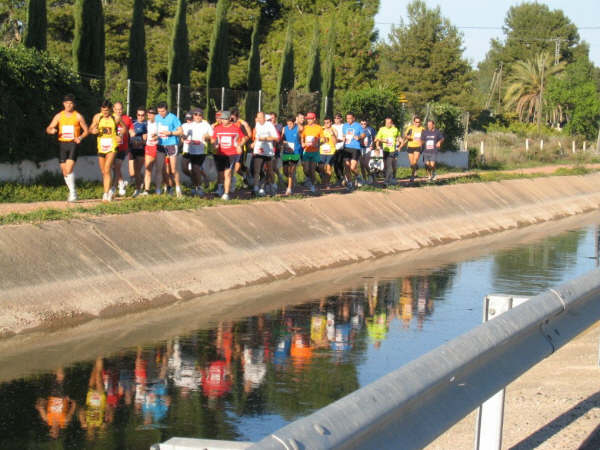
(169, 129)
(291, 150)
(353, 134)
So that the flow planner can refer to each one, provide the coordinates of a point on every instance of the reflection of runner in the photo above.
(406, 302)
(183, 370)
(71, 128)
(56, 410)
(92, 416)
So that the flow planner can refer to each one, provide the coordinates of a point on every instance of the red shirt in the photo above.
(227, 139)
(125, 132)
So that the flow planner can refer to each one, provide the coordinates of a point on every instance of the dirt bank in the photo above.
(82, 269)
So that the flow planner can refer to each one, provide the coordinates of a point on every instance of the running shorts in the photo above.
(224, 162)
(196, 160)
(311, 157)
(67, 150)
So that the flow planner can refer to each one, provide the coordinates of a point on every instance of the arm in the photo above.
(84, 129)
(178, 131)
(52, 128)
(94, 126)
(440, 142)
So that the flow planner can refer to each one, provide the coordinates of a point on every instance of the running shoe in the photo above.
(122, 190)
(104, 197)
(349, 186)
(220, 190)
(135, 193)
(112, 191)
(312, 188)
(145, 194)
(225, 197)
(288, 191)
(72, 197)
(178, 193)
(412, 178)
(261, 192)
(109, 196)
(359, 181)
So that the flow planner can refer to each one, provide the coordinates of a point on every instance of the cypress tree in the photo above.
(328, 87)
(313, 77)
(179, 59)
(37, 23)
(137, 64)
(254, 79)
(217, 72)
(285, 78)
(88, 42)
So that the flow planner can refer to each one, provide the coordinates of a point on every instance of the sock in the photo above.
(70, 182)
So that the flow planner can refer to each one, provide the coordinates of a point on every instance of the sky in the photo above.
(491, 13)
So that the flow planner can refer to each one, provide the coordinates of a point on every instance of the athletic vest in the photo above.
(68, 127)
(107, 135)
(414, 132)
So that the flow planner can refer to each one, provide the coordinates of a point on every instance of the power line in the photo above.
(469, 27)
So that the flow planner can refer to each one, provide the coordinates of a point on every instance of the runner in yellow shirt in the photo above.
(412, 136)
(386, 140)
(327, 151)
(312, 133)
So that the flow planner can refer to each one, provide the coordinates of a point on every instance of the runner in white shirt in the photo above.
(265, 136)
(196, 135)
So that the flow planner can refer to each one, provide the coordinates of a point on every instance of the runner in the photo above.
(72, 129)
(123, 148)
(151, 154)
(290, 152)
(415, 145)
(186, 165)
(265, 135)
(366, 145)
(353, 135)
(137, 135)
(229, 139)
(277, 167)
(312, 134)
(169, 127)
(327, 151)
(105, 126)
(338, 161)
(246, 158)
(196, 135)
(433, 140)
(386, 140)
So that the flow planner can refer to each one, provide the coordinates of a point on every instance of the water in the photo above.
(241, 380)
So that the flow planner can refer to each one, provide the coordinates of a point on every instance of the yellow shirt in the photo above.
(329, 141)
(68, 126)
(107, 135)
(311, 135)
(413, 133)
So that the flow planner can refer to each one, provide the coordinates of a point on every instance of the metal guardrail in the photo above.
(413, 405)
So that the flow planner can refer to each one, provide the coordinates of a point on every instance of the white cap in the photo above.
(268, 116)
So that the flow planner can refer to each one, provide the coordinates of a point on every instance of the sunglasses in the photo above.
(197, 114)
(142, 115)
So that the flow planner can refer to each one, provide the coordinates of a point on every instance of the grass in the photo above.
(50, 189)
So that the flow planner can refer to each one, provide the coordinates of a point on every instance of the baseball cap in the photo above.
(311, 115)
(225, 115)
(188, 115)
(268, 116)
(197, 111)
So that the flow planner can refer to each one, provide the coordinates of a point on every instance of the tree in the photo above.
(35, 34)
(427, 48)
(286, 78)
(88, 41)
(217, 72)
(525, 91)
(314, 78)
(254, 80)
(137, 64)
(179, 59)
(328, 86)
(373, 104)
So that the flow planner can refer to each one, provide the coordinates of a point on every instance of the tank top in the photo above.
(68, 126)
(107, 135)
(415, 133)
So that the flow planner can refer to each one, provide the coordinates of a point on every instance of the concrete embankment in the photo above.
(99, 266)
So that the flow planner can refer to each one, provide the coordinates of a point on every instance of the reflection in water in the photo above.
(243, 379)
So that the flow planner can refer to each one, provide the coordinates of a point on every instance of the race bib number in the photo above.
(349, 136)
(288, 147)
(417, 135)
(430, 144)
(56, 405)
(226, 141)
(106, 144)
(390, 141)
(310, 141)
(95, 400)
(366, 142)
(67, 132)
(325, 149)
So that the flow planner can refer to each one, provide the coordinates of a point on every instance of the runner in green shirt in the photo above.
(387, 139)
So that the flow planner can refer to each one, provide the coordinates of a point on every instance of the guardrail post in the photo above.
(490, 415)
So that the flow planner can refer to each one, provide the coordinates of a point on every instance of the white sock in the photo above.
(70, 182)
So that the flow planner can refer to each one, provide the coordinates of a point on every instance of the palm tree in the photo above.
(525, 92)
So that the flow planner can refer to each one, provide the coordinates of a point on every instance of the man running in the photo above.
(386, 140)
(265, 136)
(106, 127)
(353, 135)
(151, 154)
(196, 135)
(169, 127)
(72, 129)
(291, 149)
(277, 169)
(433, 140)
(123, 148)
(247, 161)
(366, 145)
(338, 161)
(311, 135)
(415, 145)
(229, 139)
(137, 137)
(327, 151)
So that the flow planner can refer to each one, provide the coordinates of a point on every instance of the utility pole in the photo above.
(557, 42)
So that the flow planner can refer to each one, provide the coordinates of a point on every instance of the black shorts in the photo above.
(67, 150)
(196, 160)
(169, 150)
(350, 153)
(413, 149)
(136, 153)
(224, 162)
(121, 154)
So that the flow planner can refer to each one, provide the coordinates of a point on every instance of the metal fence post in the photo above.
(490, 415)
(260, 99)
(326, 105)
(223, 98)
(178, 99)
(128, 94)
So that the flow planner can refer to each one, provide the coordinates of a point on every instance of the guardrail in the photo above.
(413, 405)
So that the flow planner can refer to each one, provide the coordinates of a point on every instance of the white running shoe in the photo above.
(225, 197)
(261, 192)
(178, 193)
(145, 194)
(135, 193)
(72, 197)
(105, 197)
(233, 183)
(122, 190)
(110, 195)
(359, 181)
(288, 191)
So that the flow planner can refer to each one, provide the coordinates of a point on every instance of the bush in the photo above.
(32, 86)
(522, 129)
(449, 119)
(373, 104)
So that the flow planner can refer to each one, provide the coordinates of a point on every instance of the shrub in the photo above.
(449, 119)
(373, 104)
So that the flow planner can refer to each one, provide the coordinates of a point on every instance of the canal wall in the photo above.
(61, 272)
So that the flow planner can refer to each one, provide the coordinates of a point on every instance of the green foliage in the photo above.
(32, 86)
(137, 63)
(35, 34)
(521, 129)
(313, 75)
(449, 119)
(88, 41)
(179, 59)
(328, 86)
(373, 104)
(286, 77)
(254, 79)
(217, 73)
(424, 59)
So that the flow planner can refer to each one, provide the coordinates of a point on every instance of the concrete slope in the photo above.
(74, 270)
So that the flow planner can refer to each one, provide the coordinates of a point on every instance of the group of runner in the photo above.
(159, 146)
